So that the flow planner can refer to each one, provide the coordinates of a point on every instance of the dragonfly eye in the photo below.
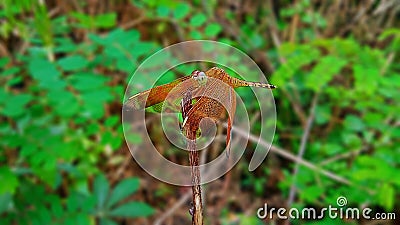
(201, 76)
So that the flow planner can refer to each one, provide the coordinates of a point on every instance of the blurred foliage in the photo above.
(65, 68)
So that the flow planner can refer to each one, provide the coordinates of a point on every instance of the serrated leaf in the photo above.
(324, 71)
(123, 190)
(132, 210)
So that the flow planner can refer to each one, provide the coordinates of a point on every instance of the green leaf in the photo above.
(5, 201)
(310, 194)
(101, 189)
(181, 11)
(107, 20)
(162, 11)
(388, 32)
(386, 196)
(323, 114)
(64, 45)
(198, 20)
(195, 34)
(15, 105)
(324, 71)
(84, 21)
(94, 101)
(10, 71)
(105, 221)
(351, 140)
(365, 78)
(132, 210)
(133, 138)
(212, 30)
(4, 61)
(42, 70)
(111, 121)
(354, 123)
(123, 190)
(87, 81)
(71, 63)
(108, 137)
(64, 102)
(8, 180)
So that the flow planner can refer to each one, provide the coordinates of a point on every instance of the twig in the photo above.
(286, 154)
(388, 62)
(383, 7)
(172, 209)
(194, 161)
(133, 23)
(342, 156)
(302, 148)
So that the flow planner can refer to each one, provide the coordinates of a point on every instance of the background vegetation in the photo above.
(65, 65)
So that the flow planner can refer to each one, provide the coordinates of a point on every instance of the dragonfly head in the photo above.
(199, 76)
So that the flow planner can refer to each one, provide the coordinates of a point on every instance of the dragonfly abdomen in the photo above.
(242, 83)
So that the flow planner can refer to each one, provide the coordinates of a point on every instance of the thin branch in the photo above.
(194, 160)
(173, 208)
(302, 148)
(286, 154)
(342, 156)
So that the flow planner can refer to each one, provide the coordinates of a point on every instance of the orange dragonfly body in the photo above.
(212, 92)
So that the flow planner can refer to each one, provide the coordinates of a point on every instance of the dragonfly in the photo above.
(213, 100)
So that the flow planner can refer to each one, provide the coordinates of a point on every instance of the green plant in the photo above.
(34, 206)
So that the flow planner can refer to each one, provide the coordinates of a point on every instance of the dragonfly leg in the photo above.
(228, 137)
(191, 210)
(184, 122)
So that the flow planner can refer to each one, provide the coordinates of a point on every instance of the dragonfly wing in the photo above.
(216, 100)
(169, 106)
(231, 116)
(157, 94)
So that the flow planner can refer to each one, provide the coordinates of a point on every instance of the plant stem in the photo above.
(194, 161)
